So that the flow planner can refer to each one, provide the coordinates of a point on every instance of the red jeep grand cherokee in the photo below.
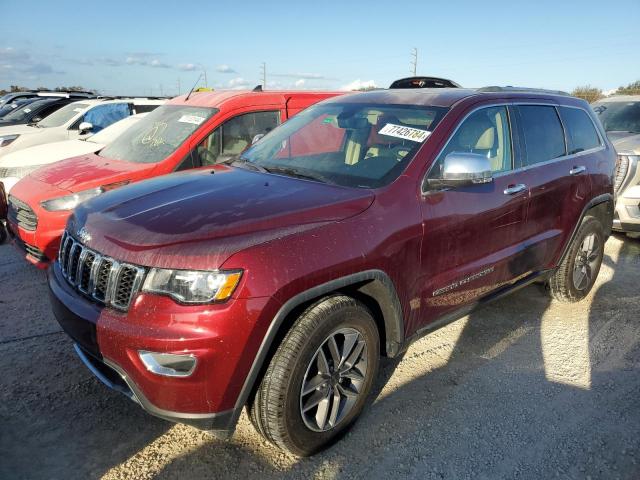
(364, 222)
(199, 129)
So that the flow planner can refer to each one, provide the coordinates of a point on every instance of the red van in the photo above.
(190, 131)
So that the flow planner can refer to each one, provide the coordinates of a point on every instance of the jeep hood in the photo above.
(87, 171)
(625, 143)
(198, 219)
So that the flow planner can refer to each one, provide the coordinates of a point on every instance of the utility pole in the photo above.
(206, 84)
(263, 67)
(414, 61)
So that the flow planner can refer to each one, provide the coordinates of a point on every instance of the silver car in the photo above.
(620, 116)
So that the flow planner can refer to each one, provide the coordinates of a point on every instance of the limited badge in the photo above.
(406, 133)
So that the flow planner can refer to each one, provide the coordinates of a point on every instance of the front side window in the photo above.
(234, 136)
(350, 144)
(63, 115)
(619, 116)
(543, 136)
(158, 135)
(581, 133)
(485, 132)
(102, 116)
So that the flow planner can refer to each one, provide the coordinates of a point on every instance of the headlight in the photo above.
(7, 139)
(192, 286)
(69, 202)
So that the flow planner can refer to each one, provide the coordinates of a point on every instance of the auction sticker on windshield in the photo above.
(407, 133)
(196, 120)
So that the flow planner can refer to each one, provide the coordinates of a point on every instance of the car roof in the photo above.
(447, 97)
(218, 98)
(91, 102)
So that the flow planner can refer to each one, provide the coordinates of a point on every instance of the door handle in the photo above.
(520, 187)
(577, 170)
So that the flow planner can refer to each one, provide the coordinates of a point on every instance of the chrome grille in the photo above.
(101, 278)
(22, 214)
(622, 167)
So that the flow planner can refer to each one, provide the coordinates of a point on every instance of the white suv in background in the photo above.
(16, 165)
(73, 121)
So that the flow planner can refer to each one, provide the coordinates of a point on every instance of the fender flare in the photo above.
(594, 202)
(373, 283)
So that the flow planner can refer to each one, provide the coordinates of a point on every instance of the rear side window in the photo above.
(581, 134)
(542, 133)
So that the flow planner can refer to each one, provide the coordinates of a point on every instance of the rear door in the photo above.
(473, 236)
(557, 177)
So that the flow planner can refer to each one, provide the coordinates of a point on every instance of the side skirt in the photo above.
(461, 312)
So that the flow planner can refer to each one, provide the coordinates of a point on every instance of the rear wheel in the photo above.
(3, 232)
(577, 273)
(319, 378)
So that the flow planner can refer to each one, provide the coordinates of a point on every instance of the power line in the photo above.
(414, 61)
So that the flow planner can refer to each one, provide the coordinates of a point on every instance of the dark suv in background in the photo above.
(277, 279)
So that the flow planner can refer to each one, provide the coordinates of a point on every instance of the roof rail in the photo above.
(509, 88)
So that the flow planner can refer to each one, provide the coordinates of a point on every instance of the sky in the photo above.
(163, 47)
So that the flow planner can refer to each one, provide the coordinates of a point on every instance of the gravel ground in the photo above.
(524, 388)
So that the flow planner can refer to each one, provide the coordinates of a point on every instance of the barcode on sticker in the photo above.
(196, 120)
(407, 133)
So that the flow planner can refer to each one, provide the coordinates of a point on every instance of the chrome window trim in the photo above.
(526, 167)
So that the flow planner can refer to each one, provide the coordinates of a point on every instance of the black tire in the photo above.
(563, 284)
(3, 233)
(276, 410)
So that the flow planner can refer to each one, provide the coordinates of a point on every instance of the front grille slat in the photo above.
(22, 214)
(101, 278)
(622, 168)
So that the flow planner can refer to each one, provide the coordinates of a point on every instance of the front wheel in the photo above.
(319, 378)
(3, 232)
(577, 273)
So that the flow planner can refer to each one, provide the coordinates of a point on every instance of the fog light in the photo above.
(168, 364)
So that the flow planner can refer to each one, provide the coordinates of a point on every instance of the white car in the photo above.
(16, 165)
(73, 121)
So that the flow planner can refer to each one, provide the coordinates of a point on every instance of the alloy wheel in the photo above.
(586, 262)
(334, 380)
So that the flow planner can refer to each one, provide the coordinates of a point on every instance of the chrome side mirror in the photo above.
(463, 169)
(85, 127)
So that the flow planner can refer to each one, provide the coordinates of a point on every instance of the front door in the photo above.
(473, 236)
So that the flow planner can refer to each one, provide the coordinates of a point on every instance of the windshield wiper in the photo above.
(243, 163)
(292, 172)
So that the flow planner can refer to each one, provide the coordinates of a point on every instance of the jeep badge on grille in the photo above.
(83, 235)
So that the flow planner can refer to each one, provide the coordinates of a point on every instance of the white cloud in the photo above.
(238, 83)
(300, 83)
(305, 76)
(225, 69)
(144, 61)
(359, 84)
(187, 67)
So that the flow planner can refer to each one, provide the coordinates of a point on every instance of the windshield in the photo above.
(354, 145)
(62, 116)
(619, 116)
(10, 107)
(23, 113)
(158, 135)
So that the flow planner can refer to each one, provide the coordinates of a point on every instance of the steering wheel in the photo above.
(206, 157)
(398, 151)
